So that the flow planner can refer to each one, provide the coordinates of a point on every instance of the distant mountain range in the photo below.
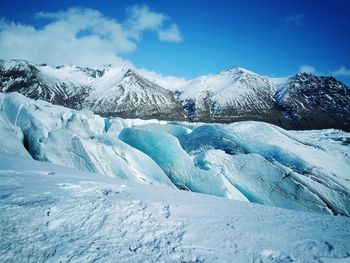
(302, 101)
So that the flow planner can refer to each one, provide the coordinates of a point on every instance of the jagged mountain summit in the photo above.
(314, 102)
(131, 96)
(108, 91)
(302, 101)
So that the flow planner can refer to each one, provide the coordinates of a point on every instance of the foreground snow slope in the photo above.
(54, 214)
(247, 161)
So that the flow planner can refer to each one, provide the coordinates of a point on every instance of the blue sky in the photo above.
(188, 38)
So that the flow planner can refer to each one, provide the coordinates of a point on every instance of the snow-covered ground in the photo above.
(247, 161)
(50, 213)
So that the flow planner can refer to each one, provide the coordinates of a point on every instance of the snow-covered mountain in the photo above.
(108, 92)
(247, 161)
(64, 85)
(314, 102)
(302, 101)
(232, 95)
(131, 96)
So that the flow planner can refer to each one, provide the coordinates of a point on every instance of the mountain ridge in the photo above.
(301, 101)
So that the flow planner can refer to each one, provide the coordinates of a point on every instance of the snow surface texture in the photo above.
(247, 161)
(50, 213)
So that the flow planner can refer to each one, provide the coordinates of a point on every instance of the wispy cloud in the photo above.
(296, 19)
(341, 72)
(171, 34)
(141, 18)
(307, 69)
(83, 36)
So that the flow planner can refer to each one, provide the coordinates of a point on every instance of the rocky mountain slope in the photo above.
(132, 96)
(108, 92)
(314, 102)
(302, 101)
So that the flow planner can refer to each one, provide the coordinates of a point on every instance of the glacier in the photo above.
(246, 161)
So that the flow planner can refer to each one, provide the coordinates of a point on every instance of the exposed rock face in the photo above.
(315, 102)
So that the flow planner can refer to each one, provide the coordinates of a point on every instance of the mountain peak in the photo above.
(303, 76)
(236, 71)
(129, 73)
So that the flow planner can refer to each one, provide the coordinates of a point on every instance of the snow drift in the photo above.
(51, 213)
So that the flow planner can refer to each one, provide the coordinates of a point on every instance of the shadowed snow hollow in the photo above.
(248, 161)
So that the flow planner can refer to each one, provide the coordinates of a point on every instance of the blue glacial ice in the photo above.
(247, 161)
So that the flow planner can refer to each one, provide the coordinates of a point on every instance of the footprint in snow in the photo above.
(166, 211)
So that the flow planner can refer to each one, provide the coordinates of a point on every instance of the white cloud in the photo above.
(141, 18)
(172, 34)
(297, 19)
(170, 82)
(80, 36)
(307, 69)
(341, 72)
